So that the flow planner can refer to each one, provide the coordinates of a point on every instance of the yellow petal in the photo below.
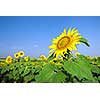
(64, 30)
(57, 54)
(74, 30)
(54, 41)
(69, 31)
(62, 35)
(50, 51)
(74, 47)
(52, 46)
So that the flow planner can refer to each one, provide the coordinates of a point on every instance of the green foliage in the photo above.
(51, 74)
(46, 73)
(58, 77)
(85, 41)
(51, 57)
(80, 69)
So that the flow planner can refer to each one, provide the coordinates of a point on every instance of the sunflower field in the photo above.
(61, 65)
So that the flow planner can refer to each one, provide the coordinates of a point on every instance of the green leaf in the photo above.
(85, 41)
(58, 77)
(4, 69)
(97, 61)
(50, 74)
(10, 76)
(28, 78)
(80, 69)
(51, 57)
(15, 74)
(26, 71)
(37, 68)
(89, 81)
(98, 58)
(21, 69)
(46, 73)
(99, 78)
(95, 69)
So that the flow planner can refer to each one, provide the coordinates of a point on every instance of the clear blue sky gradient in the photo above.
(33, 35)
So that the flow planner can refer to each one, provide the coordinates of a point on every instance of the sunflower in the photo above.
(16, 55)
(21, 53)
(77, 54)
(1, 64)
(26, 58)
(42, 57)
(65, 42)
(9, 60)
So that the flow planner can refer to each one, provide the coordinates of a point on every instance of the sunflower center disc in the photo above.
(63, 42)
(8, 59)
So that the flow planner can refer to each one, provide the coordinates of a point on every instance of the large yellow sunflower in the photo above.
(66, 41)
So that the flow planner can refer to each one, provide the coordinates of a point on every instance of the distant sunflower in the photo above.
(2, 64)
(21, 53)
(26, 58)
(43, 57)
(66, 41)
(16, 55)
(77, 54)
(9, 60)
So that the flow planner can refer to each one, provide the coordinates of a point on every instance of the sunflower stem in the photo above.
(67, 55)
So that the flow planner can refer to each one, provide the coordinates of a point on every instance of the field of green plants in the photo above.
(59, 67)
(76, 69)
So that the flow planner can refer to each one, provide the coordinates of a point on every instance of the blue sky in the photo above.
(33, 35)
